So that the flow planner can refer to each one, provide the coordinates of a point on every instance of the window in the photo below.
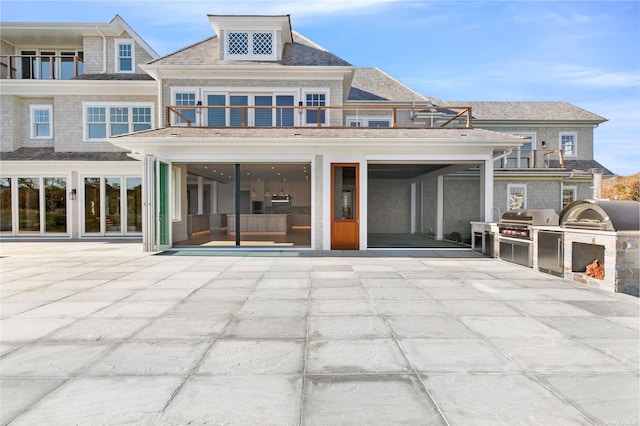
(125, 56)
(522, 157)
(569, 195)
(112, 205)
(185, 99)
(41, 121)
(568, 144)
(315, 100)
(368, 122)
(250, 45)
(516, 197)
(103, 121)
(267, 114)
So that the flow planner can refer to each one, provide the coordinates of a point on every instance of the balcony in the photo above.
(532, 159)
(40, 67)
(393, 116)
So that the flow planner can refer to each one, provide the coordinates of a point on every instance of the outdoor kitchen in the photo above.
(594, 242)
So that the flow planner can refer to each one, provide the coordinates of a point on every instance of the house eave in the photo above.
(78, 87)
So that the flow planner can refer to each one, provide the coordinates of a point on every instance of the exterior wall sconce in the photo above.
(72, 194)
(199, 110)
(544, 144)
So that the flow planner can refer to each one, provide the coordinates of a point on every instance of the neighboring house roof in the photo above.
(48, 154)
(529, 111)
(302, 52)
(122, 76)
(373, 84)
(581, 165)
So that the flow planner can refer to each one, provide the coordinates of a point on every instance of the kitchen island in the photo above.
(262, 223)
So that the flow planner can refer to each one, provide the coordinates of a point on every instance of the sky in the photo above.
(586, 53)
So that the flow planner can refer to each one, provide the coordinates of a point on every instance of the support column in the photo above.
(440, 208)
(486, 191)
(237, 206)
(200, 194)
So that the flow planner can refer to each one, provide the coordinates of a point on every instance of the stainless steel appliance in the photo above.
(551, 253)
(515, 230)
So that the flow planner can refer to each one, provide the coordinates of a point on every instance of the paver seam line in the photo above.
(204, 354)
(531, 375)
(406, 357)
(306, 346)
(525, 371)
(577, 340)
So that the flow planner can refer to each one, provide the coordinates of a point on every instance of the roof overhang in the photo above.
(534, 123)
(253, 22)
(43, 88)
(61, 35)
(175, 143)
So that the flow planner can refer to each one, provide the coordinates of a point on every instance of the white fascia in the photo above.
(79, 87)
(246, 72)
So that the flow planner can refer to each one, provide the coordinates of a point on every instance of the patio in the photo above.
(102, 333)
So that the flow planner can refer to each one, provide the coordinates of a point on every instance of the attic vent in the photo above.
(250, 45)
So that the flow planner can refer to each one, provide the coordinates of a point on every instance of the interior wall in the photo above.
(389, 206)
(429, 206)
(461, 204)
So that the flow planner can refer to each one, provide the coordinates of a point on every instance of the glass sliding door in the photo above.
(92, 203)
(113, 218)
(29, 205)
(284, 117)
(55, 201)
(134, 204)
(238, 116)
(263, 117)
(216, 117)
(6, 225)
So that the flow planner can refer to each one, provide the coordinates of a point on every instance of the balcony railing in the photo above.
(318, 116)
(40, 67)
(536, 158)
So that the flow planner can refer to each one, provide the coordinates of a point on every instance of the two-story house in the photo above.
(259, 137)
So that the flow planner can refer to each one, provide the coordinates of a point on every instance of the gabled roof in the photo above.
(302, 52)
(373, 84)
(529, 111)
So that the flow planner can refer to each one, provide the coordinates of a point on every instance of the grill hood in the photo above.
(605, 215)
(536, 217)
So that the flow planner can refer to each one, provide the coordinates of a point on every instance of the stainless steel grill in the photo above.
(519, 223)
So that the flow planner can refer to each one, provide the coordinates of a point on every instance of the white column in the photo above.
(440, 208)
(414, 185)
(486, 191)
(200, 195)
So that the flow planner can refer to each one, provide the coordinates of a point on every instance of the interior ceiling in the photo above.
(225, 172)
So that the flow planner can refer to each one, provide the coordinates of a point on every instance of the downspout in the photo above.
(104, 50)
(504, 154)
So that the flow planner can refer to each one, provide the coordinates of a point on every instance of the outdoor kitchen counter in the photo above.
(271, 223)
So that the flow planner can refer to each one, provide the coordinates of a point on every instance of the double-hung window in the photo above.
(103, 121)
(517, 196)
(568, 144)
(125, 55)
(368, 122)
(185, 99)
(315, 100)
(41, 126)
(569, 195)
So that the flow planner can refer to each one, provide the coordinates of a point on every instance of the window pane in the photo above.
(216, 116)
(284, 117)
(97, 119)
(263, 117)
(92, 204)
(46, 65)
(344, 179)
(112, 218)
(42, 130)
(517, 197)
(138, 127)
(190, 114)
(55, 200)
(29, 204)
(119, 129)
(134, 204)
(97, 131)
(124, 57)
(141, 119)
(378, 123)
(238, 44)
(67, 65)
(238, 115)
(262, 43)
(5, 205)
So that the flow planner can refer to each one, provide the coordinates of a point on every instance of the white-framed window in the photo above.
(256, 45)
(185, 97)
(315, 99)
(368, 121)
(274, 109)
(568, 143)
(111, 205)
(105, 120)
(125, 55)
(176, 190)
(522, 157)
(516, 196)
(41, 117)
(569, 195)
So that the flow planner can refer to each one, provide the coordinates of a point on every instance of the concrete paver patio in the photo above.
(101, 333)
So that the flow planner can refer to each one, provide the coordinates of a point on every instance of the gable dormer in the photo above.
(252, 38)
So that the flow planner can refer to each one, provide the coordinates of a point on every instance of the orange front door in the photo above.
(345, 223)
